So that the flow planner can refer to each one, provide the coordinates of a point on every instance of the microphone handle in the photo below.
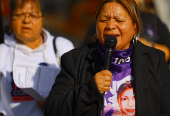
(108, 58)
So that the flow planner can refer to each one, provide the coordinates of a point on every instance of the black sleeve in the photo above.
(66, 97)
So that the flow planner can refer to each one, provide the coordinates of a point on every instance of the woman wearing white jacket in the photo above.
(27, 44)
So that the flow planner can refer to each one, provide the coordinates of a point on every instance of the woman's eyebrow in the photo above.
(21, 11)
(116, 16)
(104, 15)
(124, 96)
(119, 16)
(18, 11)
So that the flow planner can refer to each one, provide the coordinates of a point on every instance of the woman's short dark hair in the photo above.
(14, 4)
(132, 9)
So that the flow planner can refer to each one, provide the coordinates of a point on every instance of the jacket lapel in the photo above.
(140, 71)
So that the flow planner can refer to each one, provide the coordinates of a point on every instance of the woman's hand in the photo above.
(103, 80)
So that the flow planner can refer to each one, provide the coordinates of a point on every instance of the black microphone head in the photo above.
(110, 42)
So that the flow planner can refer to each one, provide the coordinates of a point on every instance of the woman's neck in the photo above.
(34, 44)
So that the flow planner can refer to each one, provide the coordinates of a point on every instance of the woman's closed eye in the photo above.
(103, 20)
(33, 15)
(119, 21)
(20, 15)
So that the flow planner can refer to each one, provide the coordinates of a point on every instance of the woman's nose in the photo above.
(131, 102)
(26, 19)
(111, 24)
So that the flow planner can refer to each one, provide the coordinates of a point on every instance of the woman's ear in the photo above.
(43, 20)
(135, 28)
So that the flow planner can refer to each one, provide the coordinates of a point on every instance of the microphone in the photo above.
(110, 44)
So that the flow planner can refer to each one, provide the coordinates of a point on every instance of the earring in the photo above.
(134, 39)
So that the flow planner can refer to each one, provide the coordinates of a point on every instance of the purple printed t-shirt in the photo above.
(120, 100)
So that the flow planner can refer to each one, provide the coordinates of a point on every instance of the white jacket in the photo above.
(44, 53)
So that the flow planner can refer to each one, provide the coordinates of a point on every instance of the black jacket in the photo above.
(75, 92)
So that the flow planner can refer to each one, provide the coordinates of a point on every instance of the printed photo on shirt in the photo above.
(120, 100)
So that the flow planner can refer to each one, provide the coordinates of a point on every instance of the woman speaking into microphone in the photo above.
(83, 82)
